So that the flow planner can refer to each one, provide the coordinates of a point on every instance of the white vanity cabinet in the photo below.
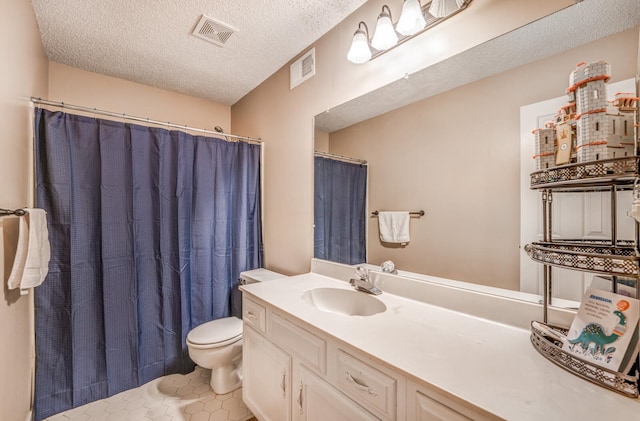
(285, 367)
(293, 371)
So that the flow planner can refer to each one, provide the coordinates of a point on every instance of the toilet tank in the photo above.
(259, 275)
(249, 277)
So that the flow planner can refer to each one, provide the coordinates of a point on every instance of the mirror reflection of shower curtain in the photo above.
(339, 211)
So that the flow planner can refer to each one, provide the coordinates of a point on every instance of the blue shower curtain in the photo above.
(149, 230)
(340, 190)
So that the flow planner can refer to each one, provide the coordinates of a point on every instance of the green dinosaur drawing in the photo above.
(593, 332)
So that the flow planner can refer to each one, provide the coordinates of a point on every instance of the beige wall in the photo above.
(284, 118)
(457, 156)
(23, 74)
(321, 141)
(79, 87)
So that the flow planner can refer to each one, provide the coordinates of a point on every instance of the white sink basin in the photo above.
(343, 301)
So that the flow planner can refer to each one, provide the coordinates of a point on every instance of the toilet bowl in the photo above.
(217, 345)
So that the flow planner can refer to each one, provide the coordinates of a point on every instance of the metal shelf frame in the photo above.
(613, 257)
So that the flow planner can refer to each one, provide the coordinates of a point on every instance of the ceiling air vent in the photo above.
(303, 68)
(213, 31)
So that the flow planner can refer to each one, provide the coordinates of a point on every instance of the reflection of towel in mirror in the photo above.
(31, 263)
(394, 227)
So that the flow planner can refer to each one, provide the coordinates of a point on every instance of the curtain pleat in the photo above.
(340, 190)
(149, 230)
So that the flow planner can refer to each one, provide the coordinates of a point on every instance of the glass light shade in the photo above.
(359, 52)
(442, 8)
(411, 20)
(385, 36)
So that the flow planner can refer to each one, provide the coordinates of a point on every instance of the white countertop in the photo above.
(491, 365)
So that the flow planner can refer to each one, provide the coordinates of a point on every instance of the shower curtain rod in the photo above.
(142, 119)
(340, 157)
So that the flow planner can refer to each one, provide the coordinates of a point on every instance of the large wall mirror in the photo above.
(448, 140)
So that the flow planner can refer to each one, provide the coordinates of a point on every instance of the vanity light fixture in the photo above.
(385, 36)
(414, 20)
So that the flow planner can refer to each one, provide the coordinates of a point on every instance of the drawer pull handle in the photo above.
(283, 385)
(359, 385)
(251, 314)
(300, 398)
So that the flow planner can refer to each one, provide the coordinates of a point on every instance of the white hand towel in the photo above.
(31, 264)
(21, 254)
(394, 227)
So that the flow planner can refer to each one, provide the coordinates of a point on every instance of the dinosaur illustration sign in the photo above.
(604, 329)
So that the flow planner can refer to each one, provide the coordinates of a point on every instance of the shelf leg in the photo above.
(546, 236)
(550, 239)
(546, 294)
(614, 230)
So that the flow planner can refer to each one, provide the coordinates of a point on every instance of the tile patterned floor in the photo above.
(171, 398)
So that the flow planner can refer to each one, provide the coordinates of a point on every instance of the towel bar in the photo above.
(418, 213)
(17, 212)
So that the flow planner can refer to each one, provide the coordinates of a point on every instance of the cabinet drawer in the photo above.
(367, 385)
(315, 399)
(294, 339)
(429, 409)
(254, 314)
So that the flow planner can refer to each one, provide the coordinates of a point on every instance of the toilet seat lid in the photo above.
(216, 331)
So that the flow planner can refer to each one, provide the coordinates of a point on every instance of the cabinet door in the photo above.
(316, 400)
(428, 409)
(427, 404)
(267, 378)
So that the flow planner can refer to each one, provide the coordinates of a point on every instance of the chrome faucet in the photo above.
(362, 282)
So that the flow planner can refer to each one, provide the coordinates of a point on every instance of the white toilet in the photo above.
(217, 345)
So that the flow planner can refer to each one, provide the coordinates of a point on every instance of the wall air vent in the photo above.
(213, 31)
(303, 68)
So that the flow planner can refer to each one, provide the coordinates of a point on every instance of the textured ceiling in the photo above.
(571, 27)
(149, 42)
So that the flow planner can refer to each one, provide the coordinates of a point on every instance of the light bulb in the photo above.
(359, 52)
(411, 20)
(442, 8)
(385, 36)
